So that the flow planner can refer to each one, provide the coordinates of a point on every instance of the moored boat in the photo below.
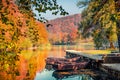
(67, 63)
(52, 60)
(70, 65)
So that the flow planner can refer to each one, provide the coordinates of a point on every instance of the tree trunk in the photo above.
(112, 46)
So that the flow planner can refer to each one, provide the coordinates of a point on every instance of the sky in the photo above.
(68, 5)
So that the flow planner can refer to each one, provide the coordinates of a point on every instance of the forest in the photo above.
(64, 30)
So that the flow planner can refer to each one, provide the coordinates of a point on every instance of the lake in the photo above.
(49, 74)
(31, 65)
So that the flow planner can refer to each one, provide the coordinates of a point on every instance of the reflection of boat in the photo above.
(67, 64)
(71, 74)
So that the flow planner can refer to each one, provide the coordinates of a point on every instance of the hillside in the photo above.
(63, 30)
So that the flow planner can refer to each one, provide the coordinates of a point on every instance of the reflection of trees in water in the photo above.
(17, 67)
(36, 64)
(7, 66)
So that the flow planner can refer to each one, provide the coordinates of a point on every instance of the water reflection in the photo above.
(31, 64)
(45, 75)
(35, 62)
(52, 75)
(25, 68)
(69, 76)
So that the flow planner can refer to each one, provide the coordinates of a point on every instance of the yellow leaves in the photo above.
(111, 28)
(34, 61)
(114, 27)
(113, 34)
(111, 6)
(24, 43)
(93, 4)
(6, 66)
(113, 37)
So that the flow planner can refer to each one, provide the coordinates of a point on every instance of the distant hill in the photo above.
(63, 30)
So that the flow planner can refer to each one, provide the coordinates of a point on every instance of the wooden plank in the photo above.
(91, 56)
(112, 69)
(112, 59)
(115, 66)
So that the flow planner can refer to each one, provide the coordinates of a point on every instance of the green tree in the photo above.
(99, 20)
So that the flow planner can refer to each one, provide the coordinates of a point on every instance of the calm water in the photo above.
(32, 66)
(50, 74)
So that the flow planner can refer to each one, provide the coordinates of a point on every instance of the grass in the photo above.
(96, 51)
(89, 48)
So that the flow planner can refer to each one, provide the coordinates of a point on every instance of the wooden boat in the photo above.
(70, 65)
(52, 60)
(67, 64)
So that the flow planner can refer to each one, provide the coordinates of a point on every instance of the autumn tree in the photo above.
(18, 27)
(11, 26)
(63, 30)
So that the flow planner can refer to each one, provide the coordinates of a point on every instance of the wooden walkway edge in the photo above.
(98, 62)
(90, 56)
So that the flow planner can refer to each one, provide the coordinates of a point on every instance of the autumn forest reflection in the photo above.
(25, 68)
(27, 64)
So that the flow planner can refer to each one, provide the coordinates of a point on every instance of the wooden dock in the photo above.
(90, 56)
(94, 60)
(112, 69)
(110, 64)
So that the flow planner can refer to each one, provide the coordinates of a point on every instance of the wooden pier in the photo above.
(112, 69)
(94, 60)
(72, 53)
(109, 63)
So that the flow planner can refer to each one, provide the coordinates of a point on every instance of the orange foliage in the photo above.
(14, 25)
(27, 69)
(37, 63)
(14, 28)
(42, 33)
(22, 66)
